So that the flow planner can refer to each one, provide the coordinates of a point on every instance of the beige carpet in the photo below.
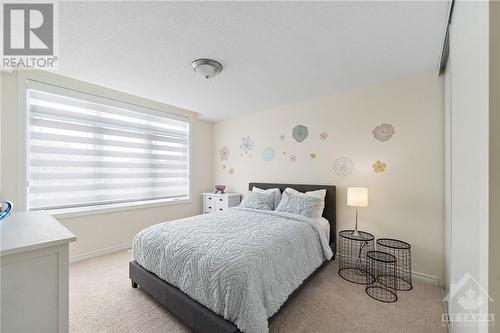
(102, 300)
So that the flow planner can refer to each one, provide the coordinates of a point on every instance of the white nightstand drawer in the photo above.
(216, 202)
(221, 204)
(209, 207)
(221, 200)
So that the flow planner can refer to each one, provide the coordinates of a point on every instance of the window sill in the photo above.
(93, 210)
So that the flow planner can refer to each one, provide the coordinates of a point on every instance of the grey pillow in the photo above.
(256, 200)
(302, 205)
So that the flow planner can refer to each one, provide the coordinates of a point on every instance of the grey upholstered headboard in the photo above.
(329, 212)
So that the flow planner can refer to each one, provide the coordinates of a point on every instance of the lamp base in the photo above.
(355, 231)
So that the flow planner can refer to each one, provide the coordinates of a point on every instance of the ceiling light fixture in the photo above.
(207, 68)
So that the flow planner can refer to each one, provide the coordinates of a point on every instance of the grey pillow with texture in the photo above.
(256, 200)
(302, 205)
(275, 191)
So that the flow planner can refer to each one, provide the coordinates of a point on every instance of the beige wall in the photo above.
(494, 232)
(99, 232)
(405, 201)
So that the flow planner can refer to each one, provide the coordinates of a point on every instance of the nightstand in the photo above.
(352, 256)
(213, 202)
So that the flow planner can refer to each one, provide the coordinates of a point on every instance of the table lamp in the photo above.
(357, 197)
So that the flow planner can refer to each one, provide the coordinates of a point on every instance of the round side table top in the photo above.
(393, 243)
(381, 256)
(362, 236)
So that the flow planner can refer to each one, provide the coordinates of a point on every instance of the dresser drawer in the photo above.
(209, 204)
(221, 204)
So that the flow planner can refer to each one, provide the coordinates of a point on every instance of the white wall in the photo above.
(405, 201)
(467, 146)
(105, 231)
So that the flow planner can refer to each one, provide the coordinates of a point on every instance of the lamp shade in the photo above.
(357, 196)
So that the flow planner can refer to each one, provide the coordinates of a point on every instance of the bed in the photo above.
(223, 272)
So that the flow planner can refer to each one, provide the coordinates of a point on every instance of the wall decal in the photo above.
(224, 153)
(383, 132)
(268, 154)
(293, 158)
(282, 137)
(343, 166)
(284, 153)
(224, 167)
(231, 171)
(323, 136)
(313, 155)
(300, 133)
(378, 166)
(246, 146)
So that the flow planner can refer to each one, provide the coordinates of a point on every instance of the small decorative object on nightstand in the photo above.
(382, 267)
(217, 202)
(357, 197)
(352, 256)
(219, 189)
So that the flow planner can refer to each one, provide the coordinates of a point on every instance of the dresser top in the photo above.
(225, 194)
(28, 231)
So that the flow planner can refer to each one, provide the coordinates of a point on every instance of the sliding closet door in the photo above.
(467, 144)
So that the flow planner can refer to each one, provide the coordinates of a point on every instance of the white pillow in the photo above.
(275, 191)
(321, 194)
(299, 204)
(255, 200)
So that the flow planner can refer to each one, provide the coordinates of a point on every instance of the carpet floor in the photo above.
(102, 300)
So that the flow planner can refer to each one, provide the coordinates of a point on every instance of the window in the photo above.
(86, 151)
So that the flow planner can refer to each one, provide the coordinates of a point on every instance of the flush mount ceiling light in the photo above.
(207, 68)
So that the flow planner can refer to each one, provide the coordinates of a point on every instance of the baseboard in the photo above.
(425, 278)
(98, 253)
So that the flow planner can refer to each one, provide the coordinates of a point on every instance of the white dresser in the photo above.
(34, 273)
(219, 202)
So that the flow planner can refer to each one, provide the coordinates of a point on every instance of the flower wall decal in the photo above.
(224, 153)
(246, 145)
(323, 136)
(231, 171)
(282, 137)
(268, 154)
(293, 158)
(313, 155)
(378, 166)
(300, 133)
(383, 132)
(343, 166)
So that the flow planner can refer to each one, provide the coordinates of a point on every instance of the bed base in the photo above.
(195, 315)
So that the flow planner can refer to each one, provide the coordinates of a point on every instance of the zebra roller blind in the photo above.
(86, 151)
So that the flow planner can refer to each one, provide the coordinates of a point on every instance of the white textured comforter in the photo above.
(242, 264)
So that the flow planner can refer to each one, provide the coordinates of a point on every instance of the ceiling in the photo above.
(273, 53)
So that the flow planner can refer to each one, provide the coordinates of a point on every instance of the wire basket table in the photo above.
(382, 267)
(402, 251)
(352, 256)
